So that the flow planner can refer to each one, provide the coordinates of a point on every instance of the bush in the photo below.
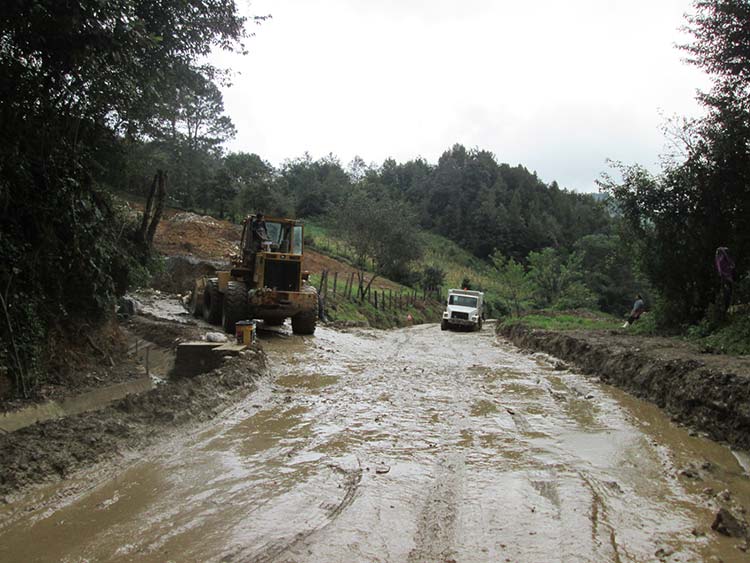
(647, 325)
(732, 338)
(74, 251)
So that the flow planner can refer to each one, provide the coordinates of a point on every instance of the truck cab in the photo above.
(463, 308)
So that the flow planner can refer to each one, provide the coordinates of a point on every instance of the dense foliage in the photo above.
(677, 219)
(485, 206)
(467, 196)
(80, 83)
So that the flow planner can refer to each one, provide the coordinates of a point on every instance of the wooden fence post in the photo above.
(335, 281)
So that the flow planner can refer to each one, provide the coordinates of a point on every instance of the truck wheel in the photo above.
(443, 325)
(304, 323)
(235, 305)
(212, 302)
(479, 325)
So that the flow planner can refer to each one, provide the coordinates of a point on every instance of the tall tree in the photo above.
(383, 231)
(678, 218)
(516, 290)
(76, 78)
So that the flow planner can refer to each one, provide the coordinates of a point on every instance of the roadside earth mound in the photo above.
(180, 272)
(708, 392)
(57, 448)
(183, 233)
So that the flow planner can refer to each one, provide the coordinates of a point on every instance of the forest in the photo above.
(97, 98)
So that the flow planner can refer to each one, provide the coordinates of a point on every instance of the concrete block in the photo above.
(194, 358)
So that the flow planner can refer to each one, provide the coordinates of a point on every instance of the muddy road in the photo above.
(413, 445)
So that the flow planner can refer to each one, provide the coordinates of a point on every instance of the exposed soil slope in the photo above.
(203, 239)
(183, 233)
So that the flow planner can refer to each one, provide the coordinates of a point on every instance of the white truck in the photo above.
(464, 308)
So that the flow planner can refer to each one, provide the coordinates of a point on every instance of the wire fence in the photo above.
(356, 286)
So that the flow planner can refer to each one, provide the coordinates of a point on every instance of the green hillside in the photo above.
(457, 263)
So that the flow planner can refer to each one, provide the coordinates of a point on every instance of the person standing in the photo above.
(638, 308)
(260, 234)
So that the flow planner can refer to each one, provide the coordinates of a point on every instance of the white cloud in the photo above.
(556, 86)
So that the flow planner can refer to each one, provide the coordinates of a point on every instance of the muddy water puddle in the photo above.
(414, 445)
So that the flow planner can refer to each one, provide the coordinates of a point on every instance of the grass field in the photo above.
(566, 320)
(438, 251)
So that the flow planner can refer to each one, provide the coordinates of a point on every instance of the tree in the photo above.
(316, 187)
(557, 281)
(675, 220)
(80, 79)
(433, 278)
(382, 231)
(515, 287)
(721, 41)
(190, 127)
(255, 185)
(482, 205)
(607, 268)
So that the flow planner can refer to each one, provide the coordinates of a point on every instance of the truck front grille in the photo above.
(282, 275)
(459, 315)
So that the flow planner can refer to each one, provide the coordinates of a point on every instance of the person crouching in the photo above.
(638, 308)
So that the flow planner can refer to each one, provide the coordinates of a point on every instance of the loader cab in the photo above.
(274, 263)
(284, 237)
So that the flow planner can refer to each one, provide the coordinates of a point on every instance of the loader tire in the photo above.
(212, 302)
(235, 305)
(196, 301)
(304, 323)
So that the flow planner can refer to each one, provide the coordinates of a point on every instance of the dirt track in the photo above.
(413, 445)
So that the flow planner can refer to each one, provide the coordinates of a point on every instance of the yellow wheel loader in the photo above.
(265, 281)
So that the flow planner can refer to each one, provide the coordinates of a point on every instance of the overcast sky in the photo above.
(557, 86)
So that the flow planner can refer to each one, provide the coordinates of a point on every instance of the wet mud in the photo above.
(709, 393)
(54, 449)
(414, 445)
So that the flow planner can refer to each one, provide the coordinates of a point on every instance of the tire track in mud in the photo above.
(436, 530)
(351, 480)
(598, 516)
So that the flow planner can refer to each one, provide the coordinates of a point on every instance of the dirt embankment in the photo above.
(59, 447)
(709, 393)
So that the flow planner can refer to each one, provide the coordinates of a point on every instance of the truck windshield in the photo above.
(462, 301)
